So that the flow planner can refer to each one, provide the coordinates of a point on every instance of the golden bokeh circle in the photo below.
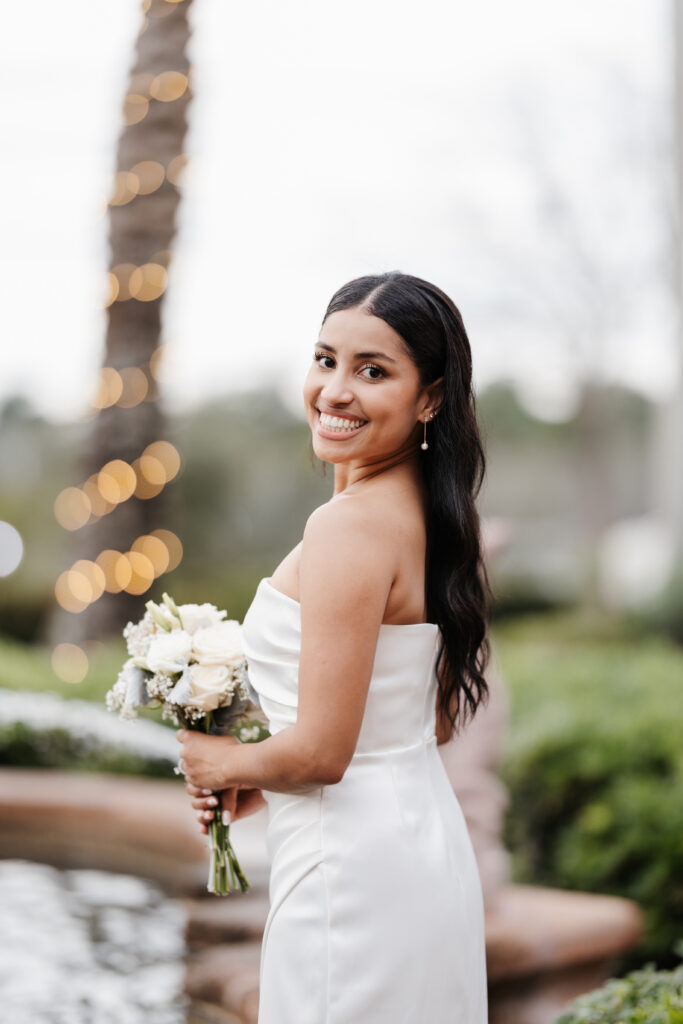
(155, 549)
(112, 289)
(148, 282)
(109, 388)
(72, 508)
(173, 544)
(142, 575)
(149, 174)
(126, 187)
(122, 273)
(135, 108)
(144, 489)
(69, 663)
(135, 387)
(107, 561)
(166, 454)
(168, 86)
(94, 575)
(65, 595)
(116, 481)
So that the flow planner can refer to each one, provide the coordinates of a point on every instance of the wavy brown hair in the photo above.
(457, 591)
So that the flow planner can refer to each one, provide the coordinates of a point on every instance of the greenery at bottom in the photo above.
(645, 996)
(594, 765)
(24, 746)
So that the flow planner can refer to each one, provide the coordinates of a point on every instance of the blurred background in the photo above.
(186, 183)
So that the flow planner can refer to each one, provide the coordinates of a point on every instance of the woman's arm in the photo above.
(345, 575)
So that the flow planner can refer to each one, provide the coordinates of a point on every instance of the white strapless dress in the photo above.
(376, 911)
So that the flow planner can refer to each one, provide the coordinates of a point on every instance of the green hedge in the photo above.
(24, 746)
(646, 996)
(594, 766)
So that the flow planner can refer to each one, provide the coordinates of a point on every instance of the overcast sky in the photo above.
(332, 140)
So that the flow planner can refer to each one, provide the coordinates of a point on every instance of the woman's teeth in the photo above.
(339, 424)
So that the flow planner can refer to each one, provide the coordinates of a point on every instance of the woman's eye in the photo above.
(319, 356)
(378, 370)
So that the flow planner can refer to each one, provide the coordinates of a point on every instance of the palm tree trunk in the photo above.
(142, 216)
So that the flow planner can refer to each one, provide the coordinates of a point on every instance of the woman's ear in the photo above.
(434, 396)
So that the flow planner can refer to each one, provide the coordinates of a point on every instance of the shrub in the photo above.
(646, 996)
(594, 767)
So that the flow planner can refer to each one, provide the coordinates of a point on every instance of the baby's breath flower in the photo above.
(139, 635)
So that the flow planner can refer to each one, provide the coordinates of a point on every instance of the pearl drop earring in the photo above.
(424, 444)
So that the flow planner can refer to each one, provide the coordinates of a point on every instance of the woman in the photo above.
(367, 646)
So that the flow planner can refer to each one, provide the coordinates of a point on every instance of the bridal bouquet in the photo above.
(188, 660)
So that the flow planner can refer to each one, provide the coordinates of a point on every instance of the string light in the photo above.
(160, 551)
(151, 555)
(116, 482)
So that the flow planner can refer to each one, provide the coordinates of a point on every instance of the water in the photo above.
(88, 947)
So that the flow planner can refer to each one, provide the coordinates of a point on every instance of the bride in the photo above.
(367, 647)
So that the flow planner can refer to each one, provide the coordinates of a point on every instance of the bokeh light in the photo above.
(72, 508)
(148, 282)
(108, 561)
(155, 550)
(112, 289)
(135, 387)
(109, 388)
(149, 175)
(135, 108)
(126, 187)
(166, 455)
(142, 572)
(176, 168)
(99, 505)
(116, 481)
(122, 272)
(155, 361)
(168, 86)
(174, 546)
(11, 548)
(69, 663)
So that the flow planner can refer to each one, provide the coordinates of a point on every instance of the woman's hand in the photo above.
(203, 758)
(235, 801)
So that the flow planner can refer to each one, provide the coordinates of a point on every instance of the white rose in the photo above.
(199, 616)
(219, 645)
(169, 652)
(207, 683)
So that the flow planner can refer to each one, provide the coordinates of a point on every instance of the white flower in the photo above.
(199, 616)
(208, 685)
(219, 645)
(138, 635)
(169, 652)
(161, 616)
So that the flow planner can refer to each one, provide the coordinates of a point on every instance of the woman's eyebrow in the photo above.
(359, 355)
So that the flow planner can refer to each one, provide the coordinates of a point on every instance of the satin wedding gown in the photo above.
(376, 911)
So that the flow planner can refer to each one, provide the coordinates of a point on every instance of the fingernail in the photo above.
(207, 792)
(225, 817)
(212, 801)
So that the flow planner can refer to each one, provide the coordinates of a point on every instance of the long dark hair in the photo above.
(457, 591)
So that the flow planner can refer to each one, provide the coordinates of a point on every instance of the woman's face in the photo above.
(362, 393)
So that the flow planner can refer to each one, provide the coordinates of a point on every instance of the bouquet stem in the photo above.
(225, 873)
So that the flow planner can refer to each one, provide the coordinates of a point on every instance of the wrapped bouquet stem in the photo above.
(188, 660)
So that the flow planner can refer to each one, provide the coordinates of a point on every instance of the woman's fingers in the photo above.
(228, 804)
(196, 791)
(203, 803)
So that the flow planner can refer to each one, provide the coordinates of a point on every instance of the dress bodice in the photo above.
(400, 708)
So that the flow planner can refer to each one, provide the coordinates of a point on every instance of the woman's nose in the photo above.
(337, 389)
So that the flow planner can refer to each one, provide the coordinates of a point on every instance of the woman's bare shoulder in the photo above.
(372, 513)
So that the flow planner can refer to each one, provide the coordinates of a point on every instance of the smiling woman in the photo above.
(366, 646)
